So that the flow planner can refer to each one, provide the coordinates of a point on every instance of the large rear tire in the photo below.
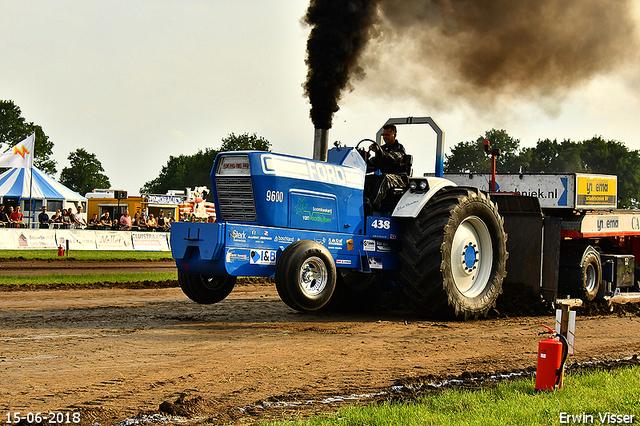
(206, 290)
(453, 255)
(580, 271)
(305, 276)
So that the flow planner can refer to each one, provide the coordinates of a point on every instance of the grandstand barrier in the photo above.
(83, 239)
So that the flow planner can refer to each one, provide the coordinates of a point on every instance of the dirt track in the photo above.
(115, 353)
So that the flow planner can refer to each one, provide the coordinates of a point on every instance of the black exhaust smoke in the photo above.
(339, 32)
(438, 51)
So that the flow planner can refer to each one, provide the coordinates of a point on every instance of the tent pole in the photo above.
(33, 207)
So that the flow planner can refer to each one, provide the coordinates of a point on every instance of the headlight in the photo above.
(418, 185)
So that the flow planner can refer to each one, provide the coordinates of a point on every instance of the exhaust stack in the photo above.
(320, 144)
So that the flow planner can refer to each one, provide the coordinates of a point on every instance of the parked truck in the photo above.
(448, 243)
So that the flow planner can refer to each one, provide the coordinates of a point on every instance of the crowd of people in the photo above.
(67, 219)
(11, 218)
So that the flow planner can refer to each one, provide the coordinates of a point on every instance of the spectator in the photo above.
(140, 222)
(115, 223)
(94, 222)
(162, 221)
(125, 221)
(16, 217)
(56, 219)
(152, 223)
(72, 218)
(80, 217)
(4, 217)
(105, 220)
(66, 219)
(43, 218)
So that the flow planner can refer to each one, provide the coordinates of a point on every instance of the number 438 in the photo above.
(381, 224)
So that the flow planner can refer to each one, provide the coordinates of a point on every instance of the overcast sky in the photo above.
(137, 81)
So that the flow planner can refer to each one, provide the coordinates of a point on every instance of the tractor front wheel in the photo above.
(305, 275)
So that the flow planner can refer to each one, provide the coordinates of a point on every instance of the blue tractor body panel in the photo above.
(266, 201)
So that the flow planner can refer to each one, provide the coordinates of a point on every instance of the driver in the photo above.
(389, 160)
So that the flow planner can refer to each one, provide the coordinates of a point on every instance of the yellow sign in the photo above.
(597, 190)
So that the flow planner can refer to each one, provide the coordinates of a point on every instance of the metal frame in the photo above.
(436, 128)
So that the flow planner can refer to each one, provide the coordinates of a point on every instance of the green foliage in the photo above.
(189, 171)
(14, 128)
(86, 255)
(595, 155)
(469, 156)
(509, 403)
(56, 278)
(184, 171)
(243, 142)
(84, 173)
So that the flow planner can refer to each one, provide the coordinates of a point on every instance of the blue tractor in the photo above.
(305, 222)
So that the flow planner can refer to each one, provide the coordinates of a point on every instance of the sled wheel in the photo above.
(305, 275)
(453, 255)
(580, 271)
(206, 290)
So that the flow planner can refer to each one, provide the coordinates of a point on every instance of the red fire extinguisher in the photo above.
(552, 356)
(60, 250)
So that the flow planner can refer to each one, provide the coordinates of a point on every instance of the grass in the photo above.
(86, 254)
(510, 403)
(87, 278)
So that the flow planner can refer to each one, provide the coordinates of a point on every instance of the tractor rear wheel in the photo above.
(453, 255)
(206, 290)
(305, 275)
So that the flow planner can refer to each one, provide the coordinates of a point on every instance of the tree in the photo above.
(470, 156)
(84, 174)
(189, 171)
(595, 155)
(244, 142)
(14, 128)
(549, 156)
(184, 171)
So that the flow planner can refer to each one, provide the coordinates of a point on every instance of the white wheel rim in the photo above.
(471, 256)
(313, 276)
(590, 278)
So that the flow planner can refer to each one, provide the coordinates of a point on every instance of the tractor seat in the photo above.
(408, 163)
(407, 171)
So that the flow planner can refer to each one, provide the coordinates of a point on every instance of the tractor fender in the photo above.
(412, 202)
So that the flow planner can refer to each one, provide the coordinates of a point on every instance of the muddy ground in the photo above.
(116, 352)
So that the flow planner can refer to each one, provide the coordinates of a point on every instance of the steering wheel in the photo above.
(368, 152)
(365, 140)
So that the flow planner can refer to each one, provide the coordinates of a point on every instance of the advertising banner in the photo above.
(150, 241)
(113, 240)
(41, 239)
(7, 239)
(78, 239)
